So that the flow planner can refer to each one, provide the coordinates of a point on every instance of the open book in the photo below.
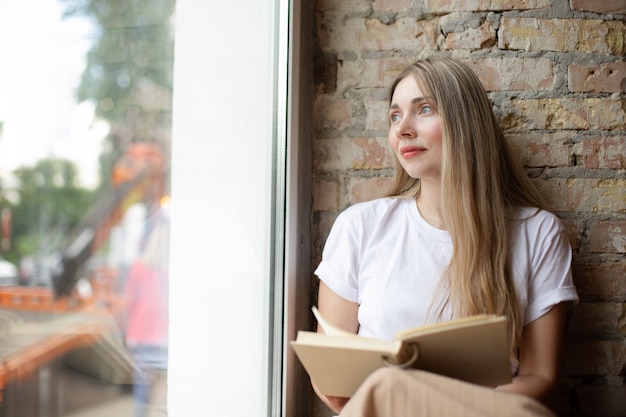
(473, 349)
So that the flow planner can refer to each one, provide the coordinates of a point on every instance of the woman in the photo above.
(462, 232)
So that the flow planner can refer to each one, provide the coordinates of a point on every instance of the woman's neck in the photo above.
(429, 205)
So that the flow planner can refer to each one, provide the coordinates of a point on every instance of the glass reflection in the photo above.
(85, 139)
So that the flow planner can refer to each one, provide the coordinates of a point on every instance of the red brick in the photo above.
(596, 6)
(364, 34)
(599, 318)
(604, 152)
(351, 153)
(326, 195)
(514, 74)
(608, 237)
(373, 154)
(594, 358)
(326, 155)
(572, 228)
(479, 38)
(391, 5)
(333, 114)
(376, 115)
(437, 6)
(563, 35)
(605, 280)
(563, 113)
(601, 401)
(584, 194)
(543, 149)
(353, 6)
(596, 78)
(322, 223)
(364, 189)
(369, 73)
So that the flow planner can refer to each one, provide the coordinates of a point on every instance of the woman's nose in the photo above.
(405, 129)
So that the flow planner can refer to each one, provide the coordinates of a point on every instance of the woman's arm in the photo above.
(343, 314)
(540, 356)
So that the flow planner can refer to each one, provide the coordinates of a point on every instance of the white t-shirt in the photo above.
(384, 256)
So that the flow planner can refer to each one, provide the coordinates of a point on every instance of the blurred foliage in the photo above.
(133, 42)
(133, 39)
(132, 46)
(49, 205)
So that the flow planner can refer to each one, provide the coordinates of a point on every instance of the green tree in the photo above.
(133, 42)
(50, 204)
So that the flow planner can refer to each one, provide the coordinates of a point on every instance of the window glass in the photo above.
(141, 207)
(227, 206)
(85, 139)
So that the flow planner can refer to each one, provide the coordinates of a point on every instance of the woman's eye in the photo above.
(426, 110)
(394, 117)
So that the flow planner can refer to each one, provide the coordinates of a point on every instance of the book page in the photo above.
(475, 351)
(337, 364)
(328, 328)
(436, 327)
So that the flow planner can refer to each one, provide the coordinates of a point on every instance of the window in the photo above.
(118, 161)
(228, 188)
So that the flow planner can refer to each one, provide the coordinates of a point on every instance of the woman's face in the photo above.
(415, 131)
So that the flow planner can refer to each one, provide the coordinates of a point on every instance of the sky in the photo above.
(42, 57)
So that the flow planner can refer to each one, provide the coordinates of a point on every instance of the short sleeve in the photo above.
(550, 281)
(339, 266)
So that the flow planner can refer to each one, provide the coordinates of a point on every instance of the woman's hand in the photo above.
(334, 403)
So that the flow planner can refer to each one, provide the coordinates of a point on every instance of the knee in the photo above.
(383, 393)
(373, 394)
(386, 372)
(384, 381)
(392, 375)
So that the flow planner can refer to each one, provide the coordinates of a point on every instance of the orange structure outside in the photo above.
(83, 319)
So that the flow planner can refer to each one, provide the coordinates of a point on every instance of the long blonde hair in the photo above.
(481, 184)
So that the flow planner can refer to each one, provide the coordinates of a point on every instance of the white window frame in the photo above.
(192, 388)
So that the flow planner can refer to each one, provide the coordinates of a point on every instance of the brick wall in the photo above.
(556, 73)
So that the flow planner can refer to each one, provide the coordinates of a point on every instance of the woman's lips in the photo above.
(409, 152)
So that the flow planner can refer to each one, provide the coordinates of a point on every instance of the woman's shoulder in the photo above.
(539, 220)
(362, 216)
(373, 208)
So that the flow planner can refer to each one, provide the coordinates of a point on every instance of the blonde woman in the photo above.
(463, 231)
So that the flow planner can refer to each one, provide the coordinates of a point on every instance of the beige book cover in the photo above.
(473, 349)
